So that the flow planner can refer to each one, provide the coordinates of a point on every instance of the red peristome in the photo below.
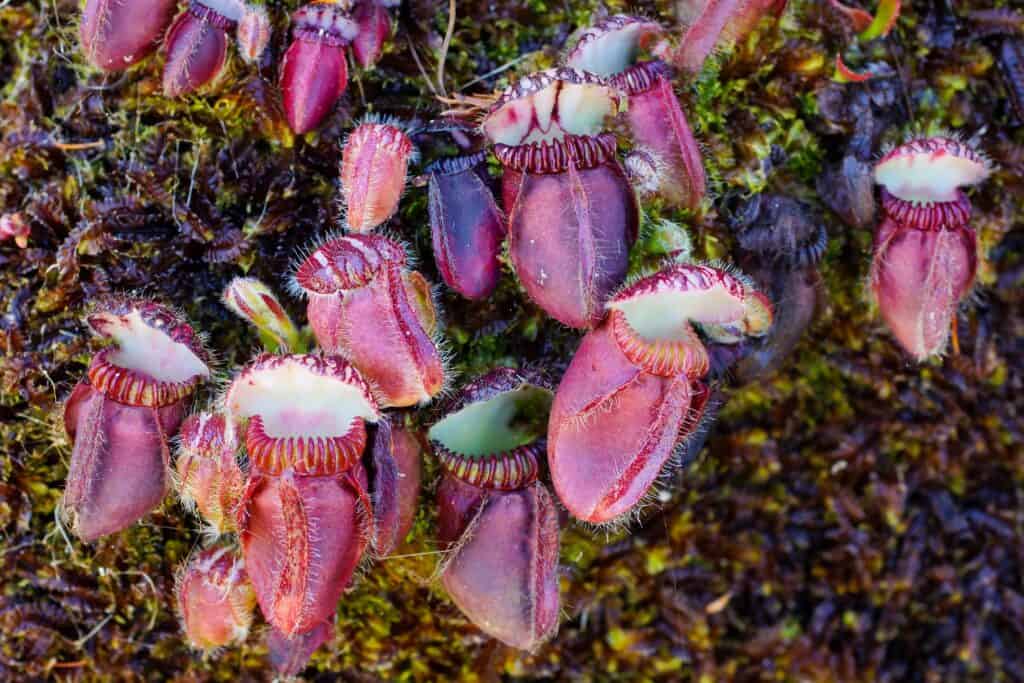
(490, 436)
(928, 215)
(572, 222)
(314, 72)
(684, 354)
(374, 28)
(395, 484)
(116, 34)
(356, 279)
(657, 124)
(374, 165)
(215, 599)
(504, 573)
(466, 225)
(919, 277)
(303, 537)
(314, 455)
(711, 21)
(208, 473)
(131, 387)
(119, 462)
(612, 428)
(502, 471)
(197, 49)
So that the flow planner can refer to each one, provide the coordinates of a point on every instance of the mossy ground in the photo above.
(853, 518)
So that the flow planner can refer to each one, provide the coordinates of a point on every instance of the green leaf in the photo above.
(885, 18)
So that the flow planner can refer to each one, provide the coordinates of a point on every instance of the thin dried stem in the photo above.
(76, 146)
(444, 47)
(419, 65)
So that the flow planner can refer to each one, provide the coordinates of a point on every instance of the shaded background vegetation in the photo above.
(852, 518)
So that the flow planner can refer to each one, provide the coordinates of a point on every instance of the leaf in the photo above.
(885, 18)
(718, 604)
(845, 74)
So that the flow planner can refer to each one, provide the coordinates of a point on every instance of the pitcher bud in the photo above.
(215, 599)
(314, 73)
(374, 165)
(116, 35)
(208, 475)
(253, 301)
(197, 45)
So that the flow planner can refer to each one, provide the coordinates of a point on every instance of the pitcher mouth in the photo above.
(609, 47)
(931, 170)
(304, 412)
(315, 455)
(157, 359)
(493, 439)
(928, 215)
(549, 105)
(506, 471)
(640, 78)
(223, 14)
(682, 353)
(135, 387)
(652, 319)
